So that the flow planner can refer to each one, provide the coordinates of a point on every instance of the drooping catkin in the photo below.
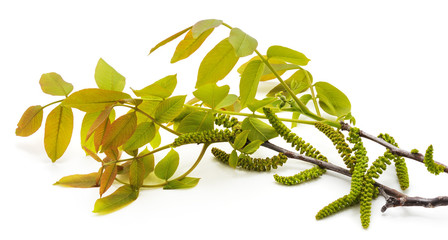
(399, 162)
(431, 166)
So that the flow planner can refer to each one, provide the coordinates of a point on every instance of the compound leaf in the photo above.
(108, 78)
(53, 84)
(58, 131)
(30, 121)
(217, 63)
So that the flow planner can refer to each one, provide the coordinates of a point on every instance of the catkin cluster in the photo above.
(400, 164)
(339, 142)
(225, 120)
(252, 164)
(209, 136)
(301, 146)
(431, 166)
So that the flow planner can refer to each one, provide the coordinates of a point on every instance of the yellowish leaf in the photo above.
(30, 121)
(58, 131)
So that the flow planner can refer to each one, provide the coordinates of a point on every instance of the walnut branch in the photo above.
(393, 197)
(393, 149)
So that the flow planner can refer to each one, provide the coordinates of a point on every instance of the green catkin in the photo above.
(252, 164)
(339, 142)
(400, 164)
(209, 136)
(431, 166)
(301, 146)
(357, 182)
(225, 120)
(414, 151)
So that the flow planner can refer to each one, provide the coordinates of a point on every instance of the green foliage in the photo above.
(431, 166)
(125, 145)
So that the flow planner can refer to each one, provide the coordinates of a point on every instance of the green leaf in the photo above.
(108, 177)
(58, 131)
(243, 44)
(166, 167)
(168, 109)
(288, 55)
(169, 39)
(217, 63)
(298, 79)
(93, 99)
(241, 139)
(259, 130)
(144, 133)
(233, 159)
(155, 143)
(162, 88)
(252, 147)
(279, 66)
(249, 81)
(108, 78)
(79, 180)
(204, 25)
(137, 173)
(295, 115)
(53, 84)
(257, 104)
(149, 107)
(30, 121)
(148, 161)
(211, 94)
(119, 131)
(332, 100)
(116, 200)
(186, 182)
(227, 101)
(189, 45)
(196, 121)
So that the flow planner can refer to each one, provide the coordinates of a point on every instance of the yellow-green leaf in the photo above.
(169, 109)
(108, 177)
(243, 44)
(288, 55)
(79, 180)
(257, 104)
(279, 66)
(241, 139)
(116, 200)
(249, 81)
(30, 121)
(108, 78)
(166, 167)
(196, 121)
(252, 146)
(169, 39)
(53, 84)
(217, 63)
(162, 88)
(298, 79)
(137, 173)
(144, 133)
(186, 182)
(87, 122)
(148, 161)
(119, 131)
(211, 94)
(94, 99)
(332, 100)
(155, 143)
(189, 45)
(233, 159)
(259, 130)
(203, 26)
(58, 131)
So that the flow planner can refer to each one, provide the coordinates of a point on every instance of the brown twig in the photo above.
(393, 197)
(393, 149)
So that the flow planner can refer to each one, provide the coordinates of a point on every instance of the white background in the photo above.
(389, 57)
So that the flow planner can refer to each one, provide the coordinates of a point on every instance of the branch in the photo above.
(394, 150)
(393, 197)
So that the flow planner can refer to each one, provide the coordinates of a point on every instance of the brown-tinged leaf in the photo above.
(108, 177)
(79, 180)
(99, 121)
(58, 131)
(94, 99)
(92, 154)
(169, 39)
(53, 84)
(120, 131)
(87, 121)
(137, 173)
(30, 121)
(189, 45)
(116, 200)
(98, 137)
